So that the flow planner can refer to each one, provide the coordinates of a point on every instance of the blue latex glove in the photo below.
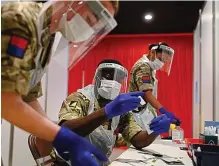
(123, 104)
(160, 124)
(71, 146)
(170, 115)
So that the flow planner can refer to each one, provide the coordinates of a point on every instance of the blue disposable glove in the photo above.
(170, 115)
(78, 150)
(123, 104)
(160, 124)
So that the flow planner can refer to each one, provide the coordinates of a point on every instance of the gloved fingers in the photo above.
(65, 155)
(160, 128)
(155, 128)
(157, 119)
(174, 120)
(161, 131)
(89, 160)
(154, 125)
(97, 153)
(136, 94)
(162, 110)
(131, 106)
(133, 100)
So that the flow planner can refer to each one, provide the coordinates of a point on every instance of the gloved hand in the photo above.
(160, 124)
(71, 146)
(169, 115)
(123, 104)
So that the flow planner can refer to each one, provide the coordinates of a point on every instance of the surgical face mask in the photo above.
(76, 30)
(156, 64)
(109, 89)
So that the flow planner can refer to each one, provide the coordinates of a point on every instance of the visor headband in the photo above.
(112, 65)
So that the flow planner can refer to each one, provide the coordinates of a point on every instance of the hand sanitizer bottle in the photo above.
(178, 134)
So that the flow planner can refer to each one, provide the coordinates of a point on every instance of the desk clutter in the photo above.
(156, 154)
(205, 150)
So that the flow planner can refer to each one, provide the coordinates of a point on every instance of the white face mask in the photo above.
(156, 64)
(109, 89)
(76, 30)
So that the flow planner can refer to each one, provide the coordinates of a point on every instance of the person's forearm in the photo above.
(37, 107)
(23, 116)
(142, 139)
(152, 100)
(84, 126)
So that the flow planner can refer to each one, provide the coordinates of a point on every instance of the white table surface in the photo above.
(165, 147)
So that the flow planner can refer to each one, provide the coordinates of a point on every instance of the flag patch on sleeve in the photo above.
(146, 79)
(17, 46)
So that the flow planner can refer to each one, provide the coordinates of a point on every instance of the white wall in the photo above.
(57, 90)
(207, 107)
(196, 81)
(217, 59)
(5, 138)
(206, 64)
(21, 152)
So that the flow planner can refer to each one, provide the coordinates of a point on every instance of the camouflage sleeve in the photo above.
(128, 126)
(74, 106)
(142, 77)
(18, 46)
(34, 93)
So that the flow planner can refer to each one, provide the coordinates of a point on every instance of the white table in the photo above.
(165, 147)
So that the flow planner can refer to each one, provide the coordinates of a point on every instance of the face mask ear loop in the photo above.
(70, 8)
(155, 55)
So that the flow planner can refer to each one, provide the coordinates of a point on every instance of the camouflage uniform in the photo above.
(140, 71)
(76, 106)
(142, 79)
(20, 49)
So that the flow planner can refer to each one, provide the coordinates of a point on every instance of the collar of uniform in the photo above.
(145, 58)
(96, 105)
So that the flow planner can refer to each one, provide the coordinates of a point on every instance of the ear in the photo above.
(152, 54)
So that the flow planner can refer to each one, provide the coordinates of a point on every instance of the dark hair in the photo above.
(42, 1)
(110, 61)
(158, 44)
(151, 46)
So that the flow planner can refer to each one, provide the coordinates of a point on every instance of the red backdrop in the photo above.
(174, 91)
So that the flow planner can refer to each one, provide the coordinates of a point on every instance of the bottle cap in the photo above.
(172, 126)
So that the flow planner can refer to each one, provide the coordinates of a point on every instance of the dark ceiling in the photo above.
(168, 17)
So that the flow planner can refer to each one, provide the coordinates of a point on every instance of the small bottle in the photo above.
(178, 133)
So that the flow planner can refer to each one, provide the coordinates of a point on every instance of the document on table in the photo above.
(138, 158)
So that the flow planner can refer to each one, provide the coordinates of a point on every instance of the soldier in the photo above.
(30, 34)
(143, 79)
(82, 110)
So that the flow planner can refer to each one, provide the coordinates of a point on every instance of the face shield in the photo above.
(164, 58)
(83, 23)
(110, 80)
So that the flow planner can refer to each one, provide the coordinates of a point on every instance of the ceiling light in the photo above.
(148, 17)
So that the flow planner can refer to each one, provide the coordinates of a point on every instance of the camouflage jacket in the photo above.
(20, 47)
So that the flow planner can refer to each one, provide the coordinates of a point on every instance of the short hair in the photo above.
(110, 61)
(158, 44)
